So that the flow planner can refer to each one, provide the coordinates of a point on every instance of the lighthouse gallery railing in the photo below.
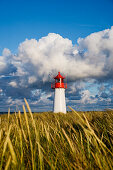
(59, 85)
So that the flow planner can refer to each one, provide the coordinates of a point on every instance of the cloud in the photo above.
(91, 57)
(32, 79)
(87, 98)
(2, 64)
(75, 86)
(6, 52)
(6, 63)
(1, 90)
(29, 72)
(13, 84)
(98, 50)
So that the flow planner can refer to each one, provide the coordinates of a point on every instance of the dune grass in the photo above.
(75, 140)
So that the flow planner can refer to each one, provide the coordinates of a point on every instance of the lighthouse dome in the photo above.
(59, 76)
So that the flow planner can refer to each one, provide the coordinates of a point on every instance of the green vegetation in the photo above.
(75, 140)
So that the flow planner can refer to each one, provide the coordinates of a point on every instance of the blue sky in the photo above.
(71, 19)
(34, 19)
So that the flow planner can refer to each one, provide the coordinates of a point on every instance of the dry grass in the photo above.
(74, 140)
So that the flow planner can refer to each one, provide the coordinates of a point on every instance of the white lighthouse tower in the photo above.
(59, 96)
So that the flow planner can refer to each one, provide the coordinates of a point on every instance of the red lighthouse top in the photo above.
(59, 76)
(59, 82)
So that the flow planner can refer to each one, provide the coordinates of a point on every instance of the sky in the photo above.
(40, 38)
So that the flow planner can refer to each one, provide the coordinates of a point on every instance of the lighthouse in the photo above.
(59, 95)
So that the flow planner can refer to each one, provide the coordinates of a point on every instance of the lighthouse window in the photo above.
(58, 80)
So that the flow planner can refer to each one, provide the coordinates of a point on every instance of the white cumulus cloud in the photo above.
(92, 57)
(6, 52)
(2, 64)
(13, 84)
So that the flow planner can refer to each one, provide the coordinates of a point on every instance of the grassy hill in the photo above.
(75, 140)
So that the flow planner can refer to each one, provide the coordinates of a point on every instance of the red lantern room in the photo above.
(59, 82)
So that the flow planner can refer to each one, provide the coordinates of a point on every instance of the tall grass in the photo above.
(75, 140)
